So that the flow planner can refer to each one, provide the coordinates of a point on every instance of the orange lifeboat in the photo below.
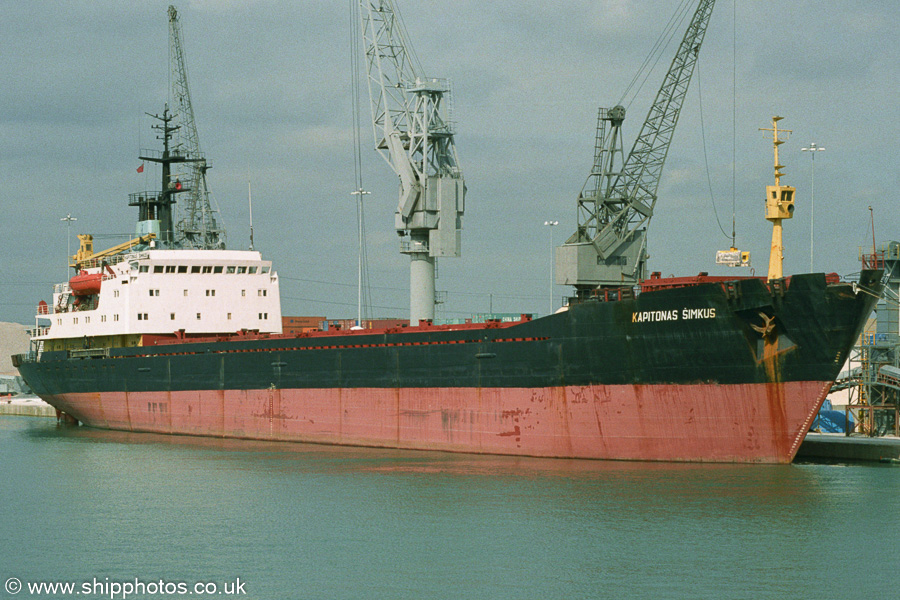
(86, 284)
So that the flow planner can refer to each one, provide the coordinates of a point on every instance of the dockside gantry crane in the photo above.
(609, 246)
(200, 225)
(414, 134)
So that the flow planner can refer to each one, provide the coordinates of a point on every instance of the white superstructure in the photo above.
(166, 292)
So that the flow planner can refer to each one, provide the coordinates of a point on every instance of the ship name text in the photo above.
(685, 314)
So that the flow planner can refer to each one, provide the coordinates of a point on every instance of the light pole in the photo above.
(551, 225)
(812, 149)
(359, 193)
(68, 219)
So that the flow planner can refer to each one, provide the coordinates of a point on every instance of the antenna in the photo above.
(872, 218)
(250, 200)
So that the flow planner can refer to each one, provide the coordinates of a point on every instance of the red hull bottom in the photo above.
(763, 423)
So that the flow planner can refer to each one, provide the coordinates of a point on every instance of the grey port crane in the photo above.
(414, 134)
(200, 225)
(609, 246)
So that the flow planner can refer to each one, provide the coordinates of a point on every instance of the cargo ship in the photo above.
(689, 369)
(156, 336)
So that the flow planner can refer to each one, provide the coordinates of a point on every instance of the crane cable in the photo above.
(355, 85)
(656, 53)
(733, 133)
(415, 64)
(365, 292)
(733, 122)
(643, 73)
(706, 157)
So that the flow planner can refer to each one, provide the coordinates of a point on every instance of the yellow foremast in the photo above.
(779, 205)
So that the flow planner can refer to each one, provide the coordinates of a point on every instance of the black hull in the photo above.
(702, 333)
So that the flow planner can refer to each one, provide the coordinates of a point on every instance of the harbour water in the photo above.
(268, 520)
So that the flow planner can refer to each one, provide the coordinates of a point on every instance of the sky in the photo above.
(270, 83)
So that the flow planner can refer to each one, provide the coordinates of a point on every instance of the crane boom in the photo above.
(87, 257)
(199, 227)
(410, 119)
(608, 247)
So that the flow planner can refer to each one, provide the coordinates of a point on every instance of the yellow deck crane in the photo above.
(85, 257)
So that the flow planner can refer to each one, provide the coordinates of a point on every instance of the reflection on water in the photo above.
(313, 521)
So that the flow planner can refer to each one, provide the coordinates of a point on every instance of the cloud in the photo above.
(270, 82)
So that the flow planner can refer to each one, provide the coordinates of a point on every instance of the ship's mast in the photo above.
(155, 208)
(200, 226)
(616, 203)
(779, 205)
(410, 118)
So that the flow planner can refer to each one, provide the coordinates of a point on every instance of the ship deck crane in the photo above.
(86, 256)
(200, 226)
(413, 133)
(609, 246)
